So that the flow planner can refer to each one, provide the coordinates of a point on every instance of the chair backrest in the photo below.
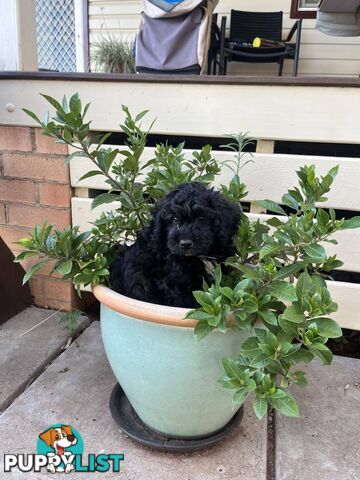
(248, 25)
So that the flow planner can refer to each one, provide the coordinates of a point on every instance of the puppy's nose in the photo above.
(186, 244)
(71, 438)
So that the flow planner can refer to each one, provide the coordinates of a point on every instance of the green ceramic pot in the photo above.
(170, 380)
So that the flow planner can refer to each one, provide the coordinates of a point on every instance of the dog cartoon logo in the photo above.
(60, 448)
(58, 441)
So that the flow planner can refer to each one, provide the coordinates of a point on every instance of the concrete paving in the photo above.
(325, 443)
(23, 357)
(75, 390)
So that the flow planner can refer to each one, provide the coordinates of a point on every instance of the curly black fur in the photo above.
(166, 263)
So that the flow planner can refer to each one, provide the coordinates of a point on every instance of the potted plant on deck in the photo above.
(267, 311)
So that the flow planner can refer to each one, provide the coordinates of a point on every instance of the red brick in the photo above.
(2, 214)
(15, 138)
(54, 195)
(27, 216)
(57, 289)
(11, 235)
(46, 144)
(64, 305)
(36, 288)
(35, 166)
(14, 190)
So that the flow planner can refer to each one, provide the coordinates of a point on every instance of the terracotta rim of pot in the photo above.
(150, 312)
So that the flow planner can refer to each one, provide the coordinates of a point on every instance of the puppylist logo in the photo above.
(60, 448)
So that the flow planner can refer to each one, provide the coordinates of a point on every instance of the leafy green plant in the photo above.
(277, 291)
(114, 55)
(134, 188)
(274, 287)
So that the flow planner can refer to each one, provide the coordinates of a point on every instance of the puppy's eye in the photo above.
(176, 220)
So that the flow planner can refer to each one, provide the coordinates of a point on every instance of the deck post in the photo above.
(18, 50)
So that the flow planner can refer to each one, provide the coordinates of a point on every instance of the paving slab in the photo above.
(75, 390)
(325, 443)
(23, 357)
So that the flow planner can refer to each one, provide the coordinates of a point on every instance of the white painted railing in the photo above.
(276, 110)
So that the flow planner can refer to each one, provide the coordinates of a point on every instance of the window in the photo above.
(304, 8)
(306, 5)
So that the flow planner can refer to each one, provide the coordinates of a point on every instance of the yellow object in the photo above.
(257, 42)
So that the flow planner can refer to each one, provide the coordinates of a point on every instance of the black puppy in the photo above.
(170, 259)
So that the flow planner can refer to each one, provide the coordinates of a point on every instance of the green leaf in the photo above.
(85, 110)
(353, 222)
(139, 116)
(289, 328)
(227, 292)
(64, 267)
(303, 285)
(231, 368)
(290, 201)
(299, 378)
(203, 298)
(294, 314)
(327, 327)
(228, 383)
(202, 329)
(260, 406)
(32, 115)
(197, 315)
(249, 272)
(24, 255)
(89, 174)
(240, 396)
(283, 291)
(103, 198)
(285, 272)
(284, 403)
(302, 355)
(32, 270)
(214, 320)
(274, 222)
(272, 206)
(68, 158)
(322, 352)
(65, 104)
(316, 252)
(333, 171)
(268, 316)
(322, 219)
(53, 102)
(250, 347)
(131, 164)
(269, 250)
(75, 104)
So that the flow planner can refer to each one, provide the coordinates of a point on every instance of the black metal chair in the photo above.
(245, 26)
(214, 48)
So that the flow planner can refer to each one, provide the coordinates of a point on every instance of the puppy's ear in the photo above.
(157, 230)
(48, 437)
(229, 216)
(67, 429)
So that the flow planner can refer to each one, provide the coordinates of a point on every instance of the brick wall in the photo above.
(35, 186)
